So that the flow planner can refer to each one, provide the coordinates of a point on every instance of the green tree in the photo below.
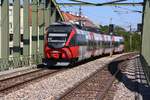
(104, 29)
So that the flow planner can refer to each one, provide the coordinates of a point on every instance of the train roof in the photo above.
(91, 29)
(61, 23)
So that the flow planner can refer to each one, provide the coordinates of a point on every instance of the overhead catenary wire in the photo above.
(126, 23)
(108, 3)
(118, 9)
(129, 10)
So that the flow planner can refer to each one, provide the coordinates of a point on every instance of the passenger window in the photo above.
(81, 39)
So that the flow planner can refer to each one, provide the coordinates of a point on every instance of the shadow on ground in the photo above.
(134, 86)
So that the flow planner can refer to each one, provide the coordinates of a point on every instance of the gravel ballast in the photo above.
(53, 87)
(133, 85)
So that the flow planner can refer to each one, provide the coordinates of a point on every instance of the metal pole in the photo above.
(16, 28)
(34, 26)
(34, 38)
(53, 17)
(111, 29)
(80, 13)
(41, 27)
(111, 52)
(26, 33)
(130, 39)
(47, 13)
(130, 42)
(4, 34)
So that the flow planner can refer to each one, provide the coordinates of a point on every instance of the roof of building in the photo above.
(69, 17)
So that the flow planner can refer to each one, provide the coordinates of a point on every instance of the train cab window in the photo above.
(58, 35)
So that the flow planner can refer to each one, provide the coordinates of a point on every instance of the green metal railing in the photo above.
(22, 61)
(146, 68)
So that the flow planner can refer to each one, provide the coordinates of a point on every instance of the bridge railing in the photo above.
(22, 61)
(146, 68)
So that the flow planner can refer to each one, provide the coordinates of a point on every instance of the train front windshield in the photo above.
(57, 35)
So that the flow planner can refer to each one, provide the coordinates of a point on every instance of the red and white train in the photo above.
(66, 43)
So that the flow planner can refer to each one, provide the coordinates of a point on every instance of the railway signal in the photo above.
(111, 28)
(139, 27)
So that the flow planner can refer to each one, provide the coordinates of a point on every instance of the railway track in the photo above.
(17, 80)
(96, 86)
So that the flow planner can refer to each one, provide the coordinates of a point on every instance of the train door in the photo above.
(92, 44)
(113, 43)
(97, 39)
(89, 45)
(101, 44)
(82, 42)
(86, 48)
(109, 44)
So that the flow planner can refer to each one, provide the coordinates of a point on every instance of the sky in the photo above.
(104, 15)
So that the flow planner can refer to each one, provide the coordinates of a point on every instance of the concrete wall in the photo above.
(0, 30)
(146, 32)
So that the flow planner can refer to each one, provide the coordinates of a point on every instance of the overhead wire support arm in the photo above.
(88, 3)
(97, 4)
(112, 4)
(79, 1)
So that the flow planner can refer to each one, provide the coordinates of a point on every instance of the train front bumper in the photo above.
(53, 62)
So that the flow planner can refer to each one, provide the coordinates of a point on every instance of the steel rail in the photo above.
(101, 94)
(79, 84)
(106, 89)
(15, 76)
(25, 78)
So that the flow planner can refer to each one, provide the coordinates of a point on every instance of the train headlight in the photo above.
(63, 55)
(55, 55)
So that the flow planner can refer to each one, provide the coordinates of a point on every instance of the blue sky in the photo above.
(106, 14)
